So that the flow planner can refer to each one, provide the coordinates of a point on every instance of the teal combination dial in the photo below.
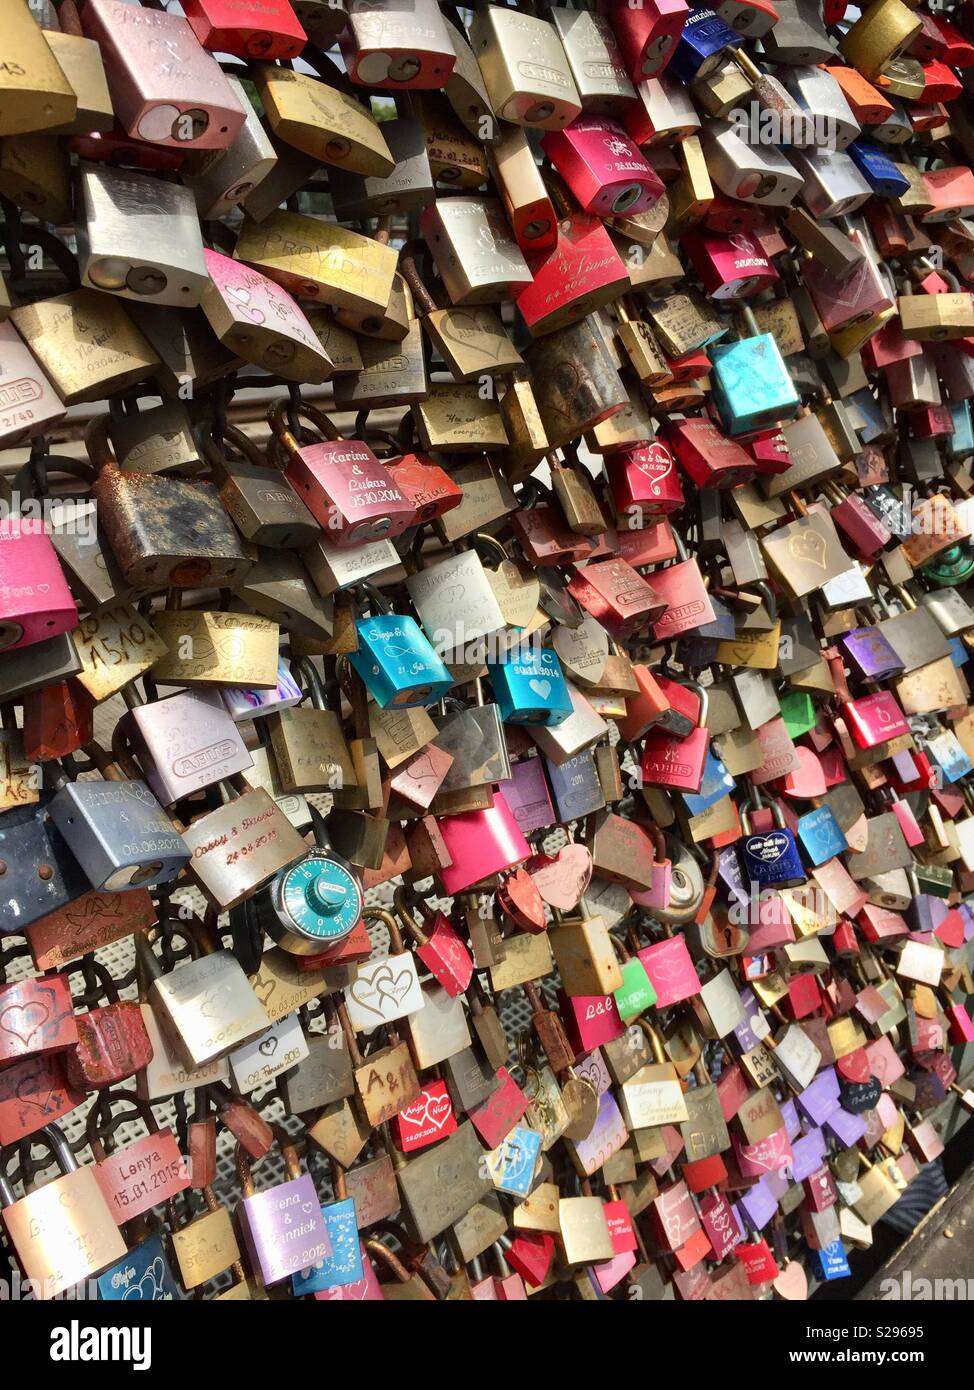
(317, 903)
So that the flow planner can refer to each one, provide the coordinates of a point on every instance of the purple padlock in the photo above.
(283, 1228)
(870, 656)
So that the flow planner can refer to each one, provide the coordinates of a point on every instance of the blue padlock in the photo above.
(529, 687)
(344, 1264)
(397, 663)
(141, 1276)
(821, 835)
(752, 387)
(575, 786)
(705, 38)
(878, 169)
(770, 858)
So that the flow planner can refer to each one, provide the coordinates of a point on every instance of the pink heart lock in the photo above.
(562, 878)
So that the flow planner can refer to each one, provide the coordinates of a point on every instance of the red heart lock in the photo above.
(520, 900)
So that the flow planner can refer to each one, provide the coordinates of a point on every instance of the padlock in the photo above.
(323, 122)
(36, 604)
(222, 180)
(199, 110)
(63, 1231)
(308, 744)
(603, 167)
(267, 1224)
(471, 244)
(121, 215)
(259, 321)
(395, 660)
(530, 688)
(438, 947)
(338, 479)
(145, 1172)
(771, 857)
(206, 1007)
(274, 32)
(524, 67)
(117, 830)
(752, 386)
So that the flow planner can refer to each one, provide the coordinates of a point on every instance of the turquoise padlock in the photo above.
(396, 661)
(752, 387)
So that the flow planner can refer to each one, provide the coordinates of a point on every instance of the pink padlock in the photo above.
(658, 896)
(35, 601)
(604, 168)
(481, 843)
(590, 1020)
(670, 970)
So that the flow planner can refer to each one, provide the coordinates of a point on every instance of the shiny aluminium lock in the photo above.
(206, 1006)
(117, 830)
(139, 238)
(29, 405)
(396, 45)
(197, 110)
(473, 249)
(220, 180)
(524, 67)
(752, 173)
(595, 60)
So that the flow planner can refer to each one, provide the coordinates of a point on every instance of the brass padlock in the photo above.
(35, 94)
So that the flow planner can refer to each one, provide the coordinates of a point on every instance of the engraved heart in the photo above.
(463, 326)
(268, 1046)
(264, 988)
(27, 1093)
(809, 546)
(435, 1111)
(382, 985)
(22, 1021)
(584, 650)
(215, 1000)
(542, 688)
(766, 848)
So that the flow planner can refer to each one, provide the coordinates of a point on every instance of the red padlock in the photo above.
(112, 1040)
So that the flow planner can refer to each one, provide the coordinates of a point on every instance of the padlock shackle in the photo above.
(381, 914)
(98, 443)
(391, 1261)
(279, 421)
(306, 674)
(407, 266)
(244, 445)
(406, 918)
(100, 1116)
